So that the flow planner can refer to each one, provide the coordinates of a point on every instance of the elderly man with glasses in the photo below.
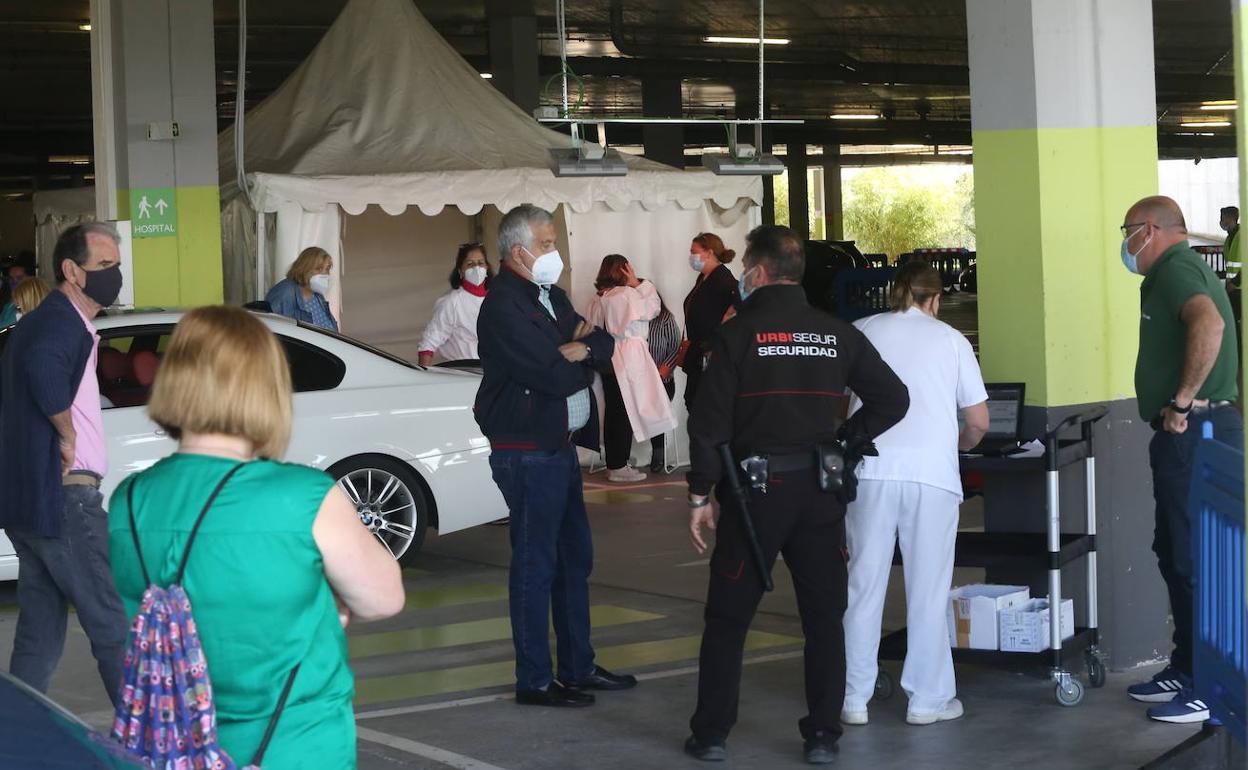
(1185, 375)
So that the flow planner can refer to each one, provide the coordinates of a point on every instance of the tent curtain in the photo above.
(296, 229)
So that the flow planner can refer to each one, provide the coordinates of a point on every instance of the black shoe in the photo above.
(602, 679)
(821, 749)
(556, 695)
(707, 752)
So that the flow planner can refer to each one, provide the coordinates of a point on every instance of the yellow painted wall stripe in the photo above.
(472, 632)
(420, 684)
(1056, 308)
(185, 270)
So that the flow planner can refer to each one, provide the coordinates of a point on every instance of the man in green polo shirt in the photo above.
(1185, 376)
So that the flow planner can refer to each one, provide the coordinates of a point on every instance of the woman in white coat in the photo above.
(637, 405)
(452, 332)
(912, 493)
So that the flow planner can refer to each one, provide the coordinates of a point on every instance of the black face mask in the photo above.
(103, 286)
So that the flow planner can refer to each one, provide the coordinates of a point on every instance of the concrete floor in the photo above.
(434, 683)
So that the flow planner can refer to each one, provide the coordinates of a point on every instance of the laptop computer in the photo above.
(1005, 419)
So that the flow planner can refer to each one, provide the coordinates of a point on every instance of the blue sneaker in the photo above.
(1161, 688)
(1186, 708)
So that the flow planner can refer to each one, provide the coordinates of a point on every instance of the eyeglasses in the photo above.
(1125, 228)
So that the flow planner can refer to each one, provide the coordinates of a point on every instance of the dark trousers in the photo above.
(551, 558)
(54, 572)
(617, 430)
(692, 378)
(1170, 456)
(656, 443)
(808, 527)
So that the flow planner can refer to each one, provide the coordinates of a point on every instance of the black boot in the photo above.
(656, 458)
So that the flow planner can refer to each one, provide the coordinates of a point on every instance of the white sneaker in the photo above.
(625, 475)
(952, 710)
(854, 717)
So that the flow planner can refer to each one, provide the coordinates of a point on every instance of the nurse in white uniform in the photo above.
(452, 332)
(912, 492)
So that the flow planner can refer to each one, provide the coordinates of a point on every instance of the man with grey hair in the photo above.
(52, 459)
(535, 407)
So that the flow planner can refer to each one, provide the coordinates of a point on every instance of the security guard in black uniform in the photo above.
(774, 389)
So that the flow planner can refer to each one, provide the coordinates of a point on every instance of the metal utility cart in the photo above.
(1050, 550)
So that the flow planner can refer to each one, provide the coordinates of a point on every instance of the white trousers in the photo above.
(925, 520)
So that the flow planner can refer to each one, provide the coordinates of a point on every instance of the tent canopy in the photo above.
(384, 111)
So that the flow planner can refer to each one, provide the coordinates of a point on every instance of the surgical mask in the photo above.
(475, 275)
(1129, 260)
(319, 284)
(547, 268)
(696, 262)
(745, 293)
(103, 286)
(17, 316)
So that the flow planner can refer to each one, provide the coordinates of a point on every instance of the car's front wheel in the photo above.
(390, 500)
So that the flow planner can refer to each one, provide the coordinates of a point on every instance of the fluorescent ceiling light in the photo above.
(487, 75)
(75, 160)
(1205, 124)
(84, 27)
(855, 116)
(745, 40)
(1222, 105)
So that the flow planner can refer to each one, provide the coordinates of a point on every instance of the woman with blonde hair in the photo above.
(302, 295)
(29, 293)
(912, 493)
(281, 561)
(636, 403)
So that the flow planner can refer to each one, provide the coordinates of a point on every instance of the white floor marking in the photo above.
(480, 699)
(441, 756)
(698, 563)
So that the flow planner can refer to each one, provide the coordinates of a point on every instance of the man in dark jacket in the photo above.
(52, 459)
(773, 390)
(535, 406)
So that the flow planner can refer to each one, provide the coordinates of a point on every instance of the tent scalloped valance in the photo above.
(470, 191)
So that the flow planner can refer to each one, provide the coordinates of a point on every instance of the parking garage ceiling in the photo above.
(904, 60)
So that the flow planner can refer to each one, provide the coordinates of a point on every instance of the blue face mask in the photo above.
(745, 293)
(1129, 260)
(696, 262)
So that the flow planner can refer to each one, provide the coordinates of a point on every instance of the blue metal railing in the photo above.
(1217, 506)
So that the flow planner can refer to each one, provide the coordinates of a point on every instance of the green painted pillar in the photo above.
(1063, 110)
(153, 70)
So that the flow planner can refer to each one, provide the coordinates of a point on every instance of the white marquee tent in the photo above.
(388, 150)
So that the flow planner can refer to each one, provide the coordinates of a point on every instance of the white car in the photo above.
(401, 440)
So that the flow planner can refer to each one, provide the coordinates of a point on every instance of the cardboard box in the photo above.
(1025, 628)
(972, 615)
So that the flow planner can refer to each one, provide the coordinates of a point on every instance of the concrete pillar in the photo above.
(833, 205)
(1065, 138)
(513, 51)
(662, 97)
(152, 69)
(799, 203)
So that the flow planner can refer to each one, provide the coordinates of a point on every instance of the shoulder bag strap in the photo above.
(134, 532)
(272, 728)
(186, 555)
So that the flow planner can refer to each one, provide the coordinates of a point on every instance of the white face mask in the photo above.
(475, 275)
(547, 269)
(319, 284)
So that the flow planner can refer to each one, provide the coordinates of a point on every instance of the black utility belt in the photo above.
(827, 460)
(1158, 424)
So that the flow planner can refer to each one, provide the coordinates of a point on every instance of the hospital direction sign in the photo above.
(153, 212)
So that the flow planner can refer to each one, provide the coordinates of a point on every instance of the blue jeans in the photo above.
(54, 572)
(551, 558)
(1170, 456)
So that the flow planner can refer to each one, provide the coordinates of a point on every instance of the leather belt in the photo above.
(788, 463)
(1210, 405)
(81, 479)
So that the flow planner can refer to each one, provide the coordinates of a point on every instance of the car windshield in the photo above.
(360, 345)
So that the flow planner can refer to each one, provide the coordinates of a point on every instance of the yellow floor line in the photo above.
(419, 684)
(471, 632)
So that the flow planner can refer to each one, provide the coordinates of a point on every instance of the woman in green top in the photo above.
(281, 561)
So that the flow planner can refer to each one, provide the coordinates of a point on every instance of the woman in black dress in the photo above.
(714, 292)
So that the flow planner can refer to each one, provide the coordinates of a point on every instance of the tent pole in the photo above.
(261, 256)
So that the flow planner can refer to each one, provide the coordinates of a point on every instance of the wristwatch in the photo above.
(705, 501)
(1174, 407)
